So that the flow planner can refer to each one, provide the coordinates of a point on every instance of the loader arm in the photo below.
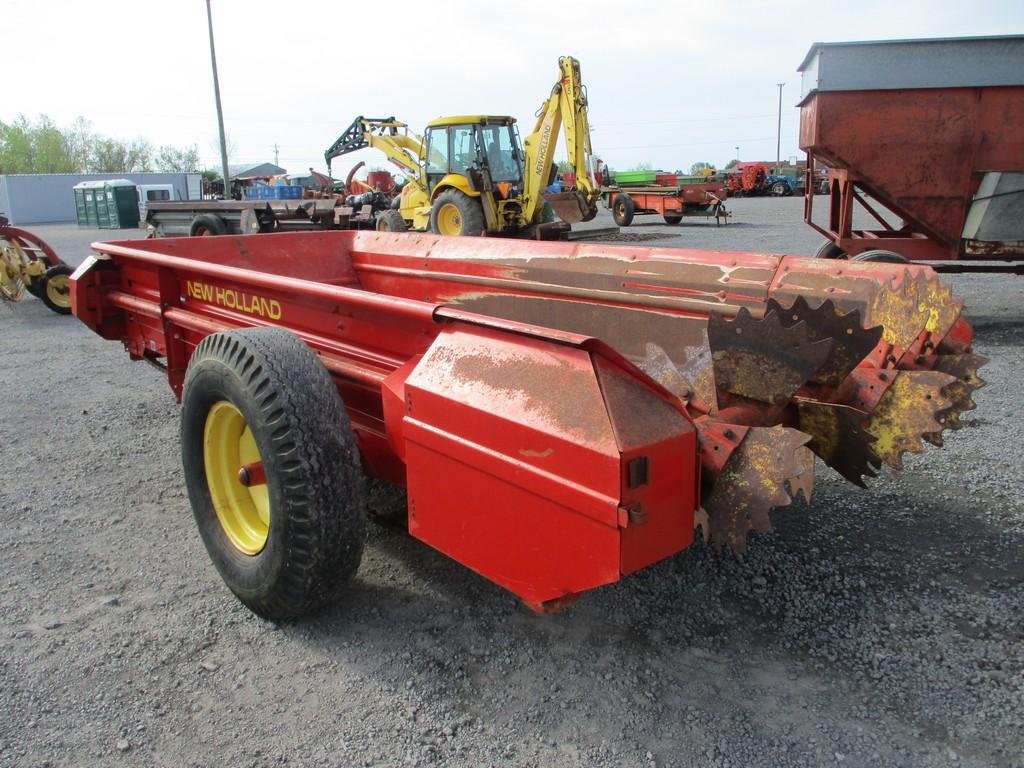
(389, 136)
(565, 108)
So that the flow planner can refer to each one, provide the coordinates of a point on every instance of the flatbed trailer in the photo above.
(671, 203)
(245, 217)
(561, 415)
(934, 153)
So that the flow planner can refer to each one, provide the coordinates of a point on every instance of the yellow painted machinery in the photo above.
(29, 265)
(469, 175)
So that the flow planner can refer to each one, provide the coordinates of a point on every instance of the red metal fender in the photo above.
(545, 467)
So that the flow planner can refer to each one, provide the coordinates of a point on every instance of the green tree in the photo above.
(732, 164)
(702, 169)
(38, 146)
(177, 159)
(116, 156)
(41, 146)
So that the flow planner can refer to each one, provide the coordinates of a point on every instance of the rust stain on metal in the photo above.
(907, 411)
(753, 481)
(638, 415)
(901, 311)
(536, 454)
(851, 341)
(548, 388)
(838, 440)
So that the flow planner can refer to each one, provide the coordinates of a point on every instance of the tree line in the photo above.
(41, 146)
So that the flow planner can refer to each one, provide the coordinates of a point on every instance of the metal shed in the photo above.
(36, 198)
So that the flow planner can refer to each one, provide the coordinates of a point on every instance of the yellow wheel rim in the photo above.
(228, 445)
(58, 290)
(449, 219)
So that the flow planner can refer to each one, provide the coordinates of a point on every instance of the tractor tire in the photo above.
(622, 210)
(881, 257)
(391, 221)
(457, 214)
(35, 287)
(830, 250)
(673, 218)
(55, 289)
(289, 540)
(206, 225)
(780, 189)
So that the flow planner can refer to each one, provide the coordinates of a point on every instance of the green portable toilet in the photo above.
(107, 204)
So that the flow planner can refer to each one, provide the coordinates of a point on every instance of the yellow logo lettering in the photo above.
(233, 299)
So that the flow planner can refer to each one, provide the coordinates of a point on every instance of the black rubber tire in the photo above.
(207, 224)
(881, 257)
(673, 218)
(61, 270)
(391, 221)
(314, 478)
(622, 210)
(830, 250)
(34, 286)
(781, 189)
(470, 211)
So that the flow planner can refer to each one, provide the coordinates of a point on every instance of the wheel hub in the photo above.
(243, 509)
(449, 220)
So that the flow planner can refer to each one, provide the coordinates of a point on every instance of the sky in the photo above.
(669, 83)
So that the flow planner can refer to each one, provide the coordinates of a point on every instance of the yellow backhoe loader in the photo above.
(469, 175)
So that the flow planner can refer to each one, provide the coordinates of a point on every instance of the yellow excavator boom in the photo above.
(566, 109)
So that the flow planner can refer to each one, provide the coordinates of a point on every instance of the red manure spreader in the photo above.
(561, 415)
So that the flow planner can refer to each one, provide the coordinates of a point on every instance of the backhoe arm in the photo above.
(566, 108)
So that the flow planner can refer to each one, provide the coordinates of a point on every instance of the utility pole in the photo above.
(220, 114)
(737, 154)
(778, 136)
(275, 154)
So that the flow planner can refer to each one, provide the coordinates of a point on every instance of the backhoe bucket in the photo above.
(571, 207)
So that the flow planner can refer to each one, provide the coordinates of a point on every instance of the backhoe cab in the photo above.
(474, 175)
(471, 175)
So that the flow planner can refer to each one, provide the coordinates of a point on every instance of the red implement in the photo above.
(565, 414)
(933, 153)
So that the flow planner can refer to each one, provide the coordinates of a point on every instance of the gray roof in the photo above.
(259, 170)
(987, 38)
(104, 183)
(945, 62)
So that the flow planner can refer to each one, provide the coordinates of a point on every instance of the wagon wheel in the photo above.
(55, 289)
(12, 261)
(272, 470)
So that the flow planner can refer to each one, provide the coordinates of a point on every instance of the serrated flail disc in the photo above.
(754, 480)
(852, 342)
(906, 412)
(763, 359)
(899, 310)
(964, 369)
(838, 440)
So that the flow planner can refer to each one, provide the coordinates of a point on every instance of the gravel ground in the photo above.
(871, 628)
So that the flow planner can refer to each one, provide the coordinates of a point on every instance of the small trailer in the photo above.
(672, 203)
(927, 137)
(561, 415)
